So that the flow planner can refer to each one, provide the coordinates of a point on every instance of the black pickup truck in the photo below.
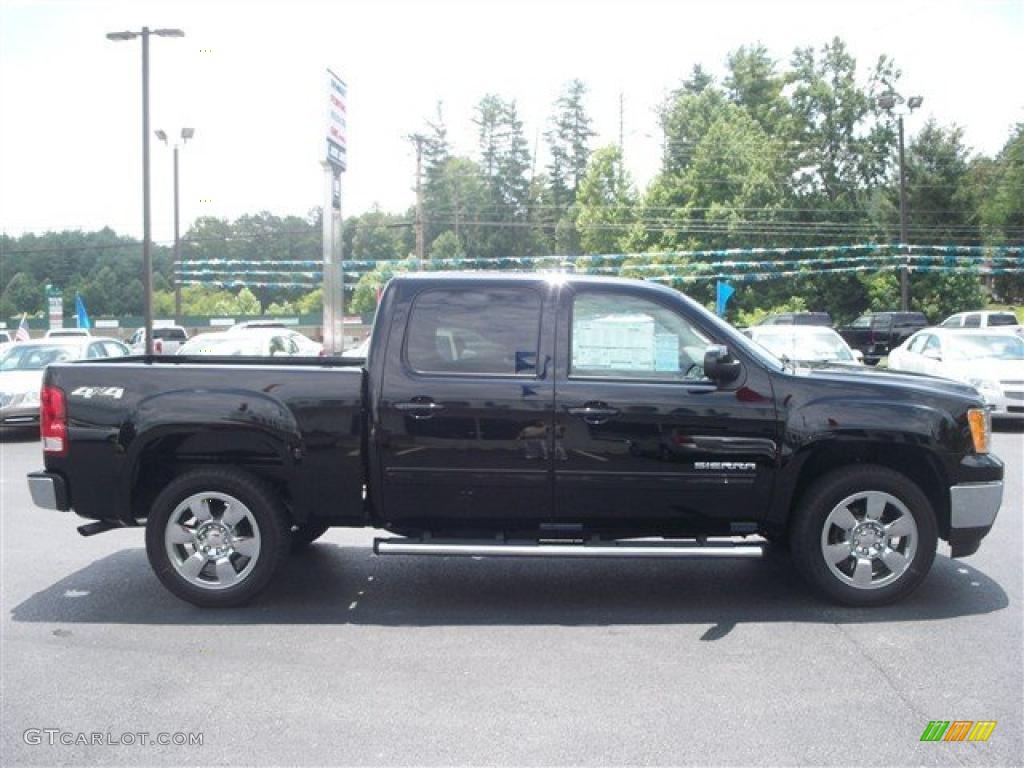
(876, 334)
(523, 415)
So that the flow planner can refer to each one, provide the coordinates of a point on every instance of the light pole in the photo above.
(888, 102)
(147, 240)
(186, 134)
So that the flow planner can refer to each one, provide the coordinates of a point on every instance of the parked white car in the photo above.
(264, 342)
(66, 333)
(805, 344)
(307, 347)
(990, 360)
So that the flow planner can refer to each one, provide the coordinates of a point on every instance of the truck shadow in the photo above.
(333, 584)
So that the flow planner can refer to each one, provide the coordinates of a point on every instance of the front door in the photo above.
(642, 437)
(464, 434)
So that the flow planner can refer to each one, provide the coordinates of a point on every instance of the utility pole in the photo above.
(889, 102)
(904, 274)
(622, 122)
(147, 234)
(177, 245)
(458, 207)
(417, 139)
(147, 238)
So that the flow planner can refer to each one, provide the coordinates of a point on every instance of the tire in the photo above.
(304, 535)
(217, 537)
(883, 524)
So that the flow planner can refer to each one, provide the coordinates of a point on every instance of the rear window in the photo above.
(170, 334)
(1002, 319)
(475, 330)
(813, 318)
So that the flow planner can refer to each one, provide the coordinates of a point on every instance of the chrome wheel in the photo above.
(212, 540)
(869, 540)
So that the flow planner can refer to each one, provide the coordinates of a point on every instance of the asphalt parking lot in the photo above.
(352, 659)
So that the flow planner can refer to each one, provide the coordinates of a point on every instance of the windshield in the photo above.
(34, 358)
(986, 347)
(232, 346)
(821, 346)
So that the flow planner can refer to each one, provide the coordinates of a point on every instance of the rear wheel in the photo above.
(217, 537)
(864, 535)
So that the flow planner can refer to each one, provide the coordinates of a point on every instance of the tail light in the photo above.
(53, 421)
(158, 346)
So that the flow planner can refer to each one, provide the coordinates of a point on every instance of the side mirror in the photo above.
(720, 366)
(858, 355)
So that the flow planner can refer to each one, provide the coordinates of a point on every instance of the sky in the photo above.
(249, 77)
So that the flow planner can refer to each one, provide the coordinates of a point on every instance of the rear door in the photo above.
(642, 437)
(465, 411)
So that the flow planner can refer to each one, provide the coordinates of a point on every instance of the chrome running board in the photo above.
(492, 548)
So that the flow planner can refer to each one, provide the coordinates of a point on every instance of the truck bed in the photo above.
(296, 421)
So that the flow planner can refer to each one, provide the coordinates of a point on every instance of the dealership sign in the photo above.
(337, 98)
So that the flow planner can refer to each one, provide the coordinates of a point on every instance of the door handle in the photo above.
(419, 407)
(595, 412)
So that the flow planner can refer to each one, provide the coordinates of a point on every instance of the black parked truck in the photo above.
(876, 334)
(523, 415)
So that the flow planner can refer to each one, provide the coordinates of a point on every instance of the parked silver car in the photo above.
(22, 367)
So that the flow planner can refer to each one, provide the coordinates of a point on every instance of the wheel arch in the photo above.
(917, 463)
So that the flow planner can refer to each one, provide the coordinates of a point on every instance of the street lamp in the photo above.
(147, 242)
(186, 134)
(889, 101)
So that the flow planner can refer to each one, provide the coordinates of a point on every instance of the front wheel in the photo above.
(217, 537)
(864, 535)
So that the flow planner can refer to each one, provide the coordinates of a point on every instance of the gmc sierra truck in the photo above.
(523, 415)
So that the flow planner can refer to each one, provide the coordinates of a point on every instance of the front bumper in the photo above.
(49, 491)
(972, 511)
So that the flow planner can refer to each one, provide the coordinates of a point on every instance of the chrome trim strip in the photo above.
(975, 505)
(407, 547)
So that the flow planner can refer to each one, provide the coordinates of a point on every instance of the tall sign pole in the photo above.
(335, 163)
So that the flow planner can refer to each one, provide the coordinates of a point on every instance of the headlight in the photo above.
(981, 429)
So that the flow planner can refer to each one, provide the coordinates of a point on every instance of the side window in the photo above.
(114, 349)
(96, 350)
(934, 347)
(277, 346)
(475, 330)
(864, 321)
(917, 345)
(619, 336)
(972, 321)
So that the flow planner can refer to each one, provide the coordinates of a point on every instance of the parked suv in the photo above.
(983, 319)
(875, 333)
(166, 340)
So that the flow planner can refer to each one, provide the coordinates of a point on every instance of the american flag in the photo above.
(22, 333)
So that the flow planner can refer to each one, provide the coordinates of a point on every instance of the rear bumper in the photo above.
(49, 491)
(20, 415)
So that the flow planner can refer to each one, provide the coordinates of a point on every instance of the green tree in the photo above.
(505, 162)
(568, 138)
(605, 203)
(755, 84)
